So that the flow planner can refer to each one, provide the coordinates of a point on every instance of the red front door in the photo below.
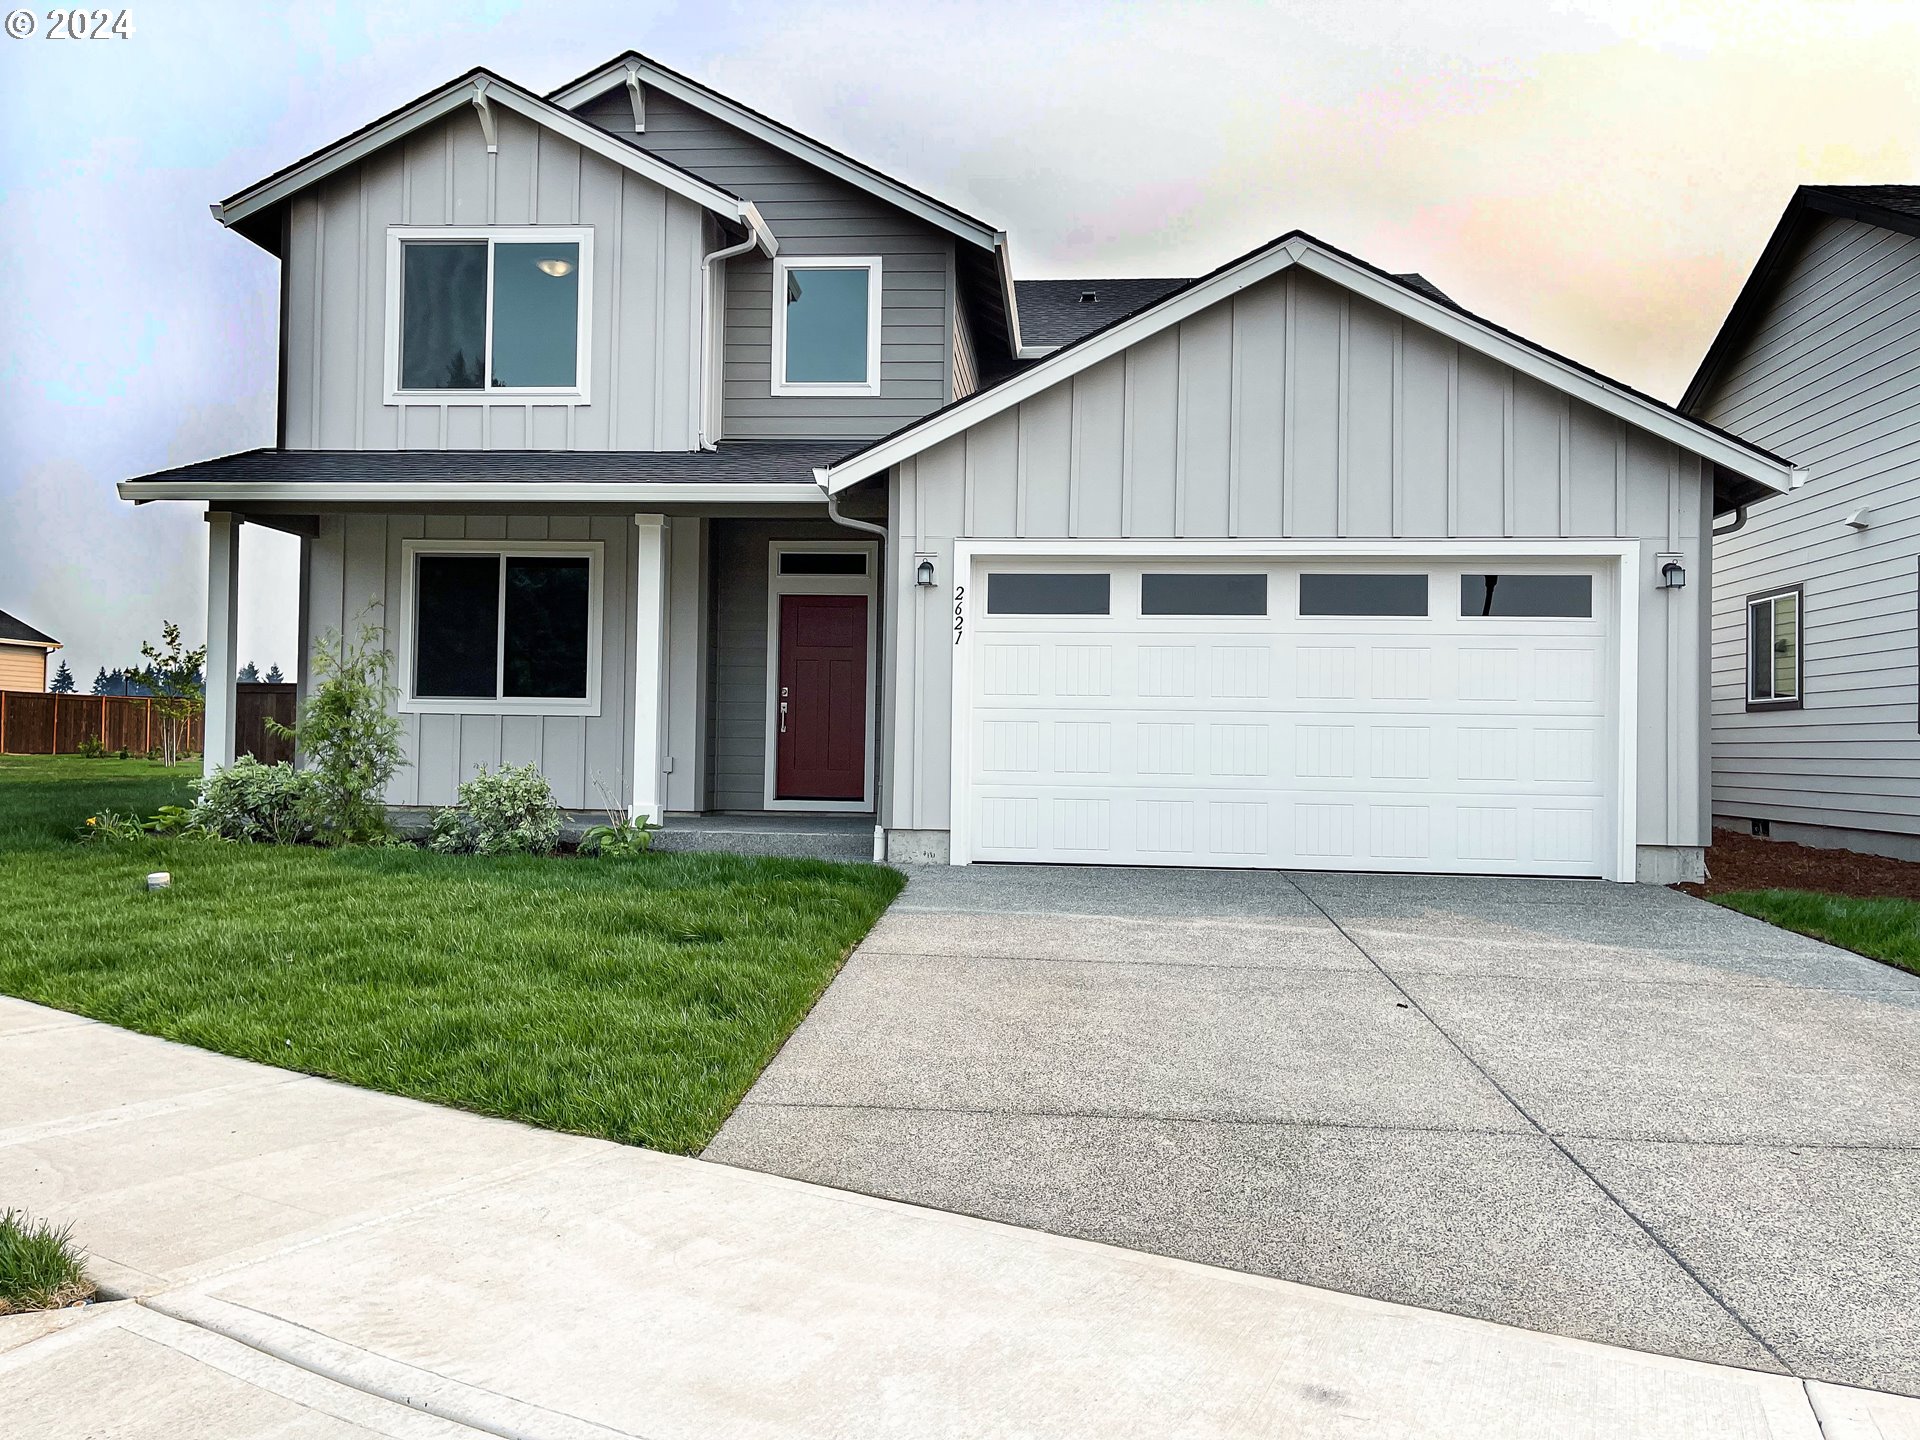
(821, 709)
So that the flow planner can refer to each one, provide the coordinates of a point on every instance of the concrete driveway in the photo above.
(1610, 1112)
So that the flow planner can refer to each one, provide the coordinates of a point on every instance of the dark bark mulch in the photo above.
(1739, 861)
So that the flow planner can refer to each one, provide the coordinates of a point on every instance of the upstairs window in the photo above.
(826, 326)
(488, 313)
(1773, 650)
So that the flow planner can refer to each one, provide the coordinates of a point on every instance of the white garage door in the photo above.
(1311, 715)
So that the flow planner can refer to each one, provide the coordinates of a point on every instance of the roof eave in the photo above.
(230, 492)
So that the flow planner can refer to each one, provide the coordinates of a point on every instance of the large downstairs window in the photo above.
(502, 627)
(488, 314)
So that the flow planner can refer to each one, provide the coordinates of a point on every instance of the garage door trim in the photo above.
(1625, 621)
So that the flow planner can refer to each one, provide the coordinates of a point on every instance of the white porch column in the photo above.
(223, 636)
(649, 663)
(686, 738)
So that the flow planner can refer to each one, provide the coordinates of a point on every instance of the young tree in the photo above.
(62, 680)
(349, 735)
(101, 684)
(274, 677)
(249, 674)
(173, 674)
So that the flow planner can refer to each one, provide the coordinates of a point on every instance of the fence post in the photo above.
(149, 745)
(53, 745)
(3, 722)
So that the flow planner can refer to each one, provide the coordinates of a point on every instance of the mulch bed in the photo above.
(1739, 861)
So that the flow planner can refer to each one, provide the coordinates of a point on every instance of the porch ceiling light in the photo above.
(555, 268)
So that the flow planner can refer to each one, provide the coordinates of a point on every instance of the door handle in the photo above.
(783, 717)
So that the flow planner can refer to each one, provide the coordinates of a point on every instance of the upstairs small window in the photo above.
(1773, 650)
(482, 313)
(826, 327)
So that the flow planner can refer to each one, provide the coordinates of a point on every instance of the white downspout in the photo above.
(709, 339)
(833, 514)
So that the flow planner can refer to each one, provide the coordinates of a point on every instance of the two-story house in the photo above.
(706, 467)
(1816, 639)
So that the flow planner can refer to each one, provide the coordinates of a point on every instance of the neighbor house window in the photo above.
(488, 313)
(503, 627)
(1773, 649)
(826, 327)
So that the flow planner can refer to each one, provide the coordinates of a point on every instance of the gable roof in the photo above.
(862, 176)
(1891, 207)
(1408, 296)
(1058, 312)
(19, 632)
(479, 89)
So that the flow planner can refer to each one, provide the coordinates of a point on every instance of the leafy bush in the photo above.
(509, 811)
(40, 1267)
(349, 736)
(90, 748)
(623, 837)
(250, 801)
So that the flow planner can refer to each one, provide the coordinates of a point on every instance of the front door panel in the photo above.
(821, 707)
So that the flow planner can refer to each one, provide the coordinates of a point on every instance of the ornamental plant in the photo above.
(348, 736)
(509, 811)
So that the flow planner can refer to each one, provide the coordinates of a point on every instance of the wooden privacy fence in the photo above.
(33, 722)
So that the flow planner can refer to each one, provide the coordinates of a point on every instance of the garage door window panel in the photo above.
(1524, 596)
(1202, 593)
(1036, 593)
(1364, 595)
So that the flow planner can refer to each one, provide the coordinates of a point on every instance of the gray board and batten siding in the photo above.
(1831, 377)
(1295, 410)
(810, 213)
(644, 303)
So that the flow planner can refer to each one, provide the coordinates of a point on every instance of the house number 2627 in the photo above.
(959, 612)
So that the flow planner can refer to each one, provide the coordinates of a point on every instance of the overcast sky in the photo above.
(1598, 176)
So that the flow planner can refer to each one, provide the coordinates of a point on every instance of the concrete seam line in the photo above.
(1553, 1140)
(377, 1375)
(1140, 1117)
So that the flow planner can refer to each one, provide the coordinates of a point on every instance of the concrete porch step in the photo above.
(812, 837)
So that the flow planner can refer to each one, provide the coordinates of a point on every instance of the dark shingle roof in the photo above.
(1901, 199)
(738, 463)
(1054, 312)
(12, 629)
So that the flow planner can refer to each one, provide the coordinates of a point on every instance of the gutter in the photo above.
(833, 510)
(758, 238)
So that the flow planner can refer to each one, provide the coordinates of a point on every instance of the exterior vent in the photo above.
(1087, 297)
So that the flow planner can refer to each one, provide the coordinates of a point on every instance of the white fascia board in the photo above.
(460, 491)
(498, 92)
(1069, 361)
(781, 138)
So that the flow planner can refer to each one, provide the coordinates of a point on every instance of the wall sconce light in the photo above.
(1673, 575)
(924, 575)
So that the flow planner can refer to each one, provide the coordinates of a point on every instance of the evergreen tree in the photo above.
(62, 680)
(274, 677)
(101, 685)
(249, 674)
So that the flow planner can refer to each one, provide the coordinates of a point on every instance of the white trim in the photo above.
(778, 585)
(593, 551)
(650, 651)
(452, 98)
(461, 491)
(1771, 599)
(780, 137)
(1625, 555)
(223, 621)
(781, 266)
(1299, 250)
(578, 393)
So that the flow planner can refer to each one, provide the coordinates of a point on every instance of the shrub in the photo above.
(509, 811)
(109, 825)
(623, 837)
(250, 801)
(349, 736)
(40, 1267)
(90, 748)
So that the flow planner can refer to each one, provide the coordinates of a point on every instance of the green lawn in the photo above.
(631, 1000)
(1886, 930)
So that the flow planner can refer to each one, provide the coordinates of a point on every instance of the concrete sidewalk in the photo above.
(315, 1260)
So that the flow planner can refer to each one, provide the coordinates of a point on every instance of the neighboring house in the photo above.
(23, 655)
(686, 457)
(1816, 638)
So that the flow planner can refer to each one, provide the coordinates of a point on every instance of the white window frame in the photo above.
(869, 263)
(579, 393)
(592, 551)
(778, 585)
(1771, 599)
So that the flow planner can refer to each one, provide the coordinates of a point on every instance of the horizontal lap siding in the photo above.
(356, 582)
(646, 262)
(1830, 378)
(810, 213)
(1296, 411)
